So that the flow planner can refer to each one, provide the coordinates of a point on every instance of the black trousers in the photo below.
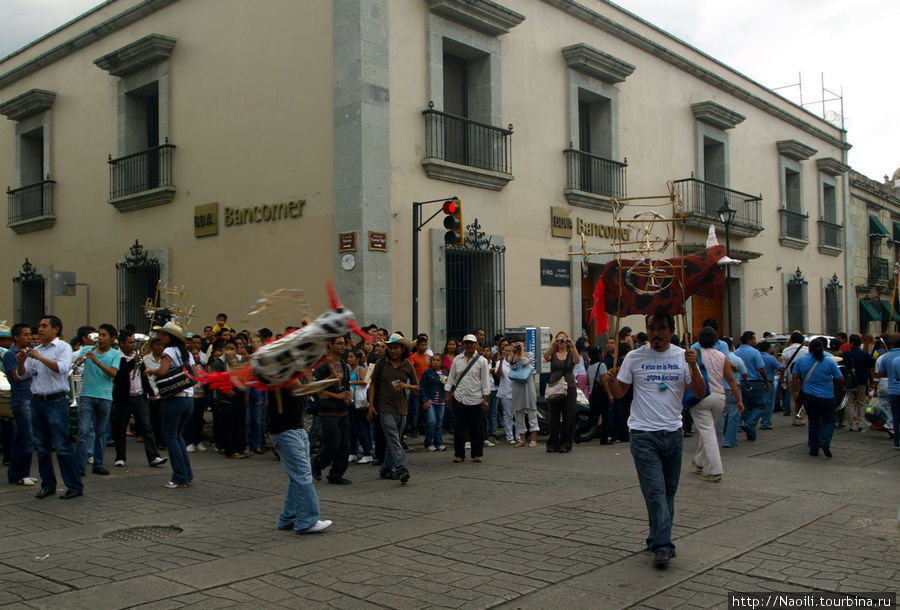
(380, 440)
(234, 433)
(139, 407)
(156, 423)
(561, 436)
(335, 445)
(600, 410)
(468, 418)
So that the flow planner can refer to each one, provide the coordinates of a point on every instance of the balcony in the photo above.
(466, 152)
(793, 229)
(831, 238)
(142, 179)
(592, 181)
(702, 201)
(31, 207)
(879, 271)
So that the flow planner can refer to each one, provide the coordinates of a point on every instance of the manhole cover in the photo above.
(147, 533)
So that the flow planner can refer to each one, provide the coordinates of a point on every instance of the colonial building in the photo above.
(873, 252)
(234, 147)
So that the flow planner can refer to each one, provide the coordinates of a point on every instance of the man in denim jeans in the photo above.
(659, 372)
(756, 389)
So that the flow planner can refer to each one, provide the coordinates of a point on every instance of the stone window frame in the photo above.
(827, 285)
(786, 283)
(575, 83)
(439, 30)
(702, 132)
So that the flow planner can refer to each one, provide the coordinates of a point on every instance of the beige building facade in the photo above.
(235, 147)
(874, 243)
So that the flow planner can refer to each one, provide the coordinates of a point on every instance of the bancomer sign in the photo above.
(269, 212)
(561, 225)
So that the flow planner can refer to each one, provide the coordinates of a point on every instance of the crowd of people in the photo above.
(380, 397)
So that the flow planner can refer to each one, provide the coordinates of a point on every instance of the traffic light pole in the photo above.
(417, 226)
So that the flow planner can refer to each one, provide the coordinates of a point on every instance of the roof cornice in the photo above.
(642, 42)
(90, 36)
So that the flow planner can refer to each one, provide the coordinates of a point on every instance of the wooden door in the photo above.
(703, 308)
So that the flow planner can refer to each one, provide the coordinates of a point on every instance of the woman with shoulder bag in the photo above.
(561, 393)
(813, 383)
(359, 416)
(178, 408)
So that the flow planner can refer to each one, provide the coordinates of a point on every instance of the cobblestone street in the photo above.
(522, 530)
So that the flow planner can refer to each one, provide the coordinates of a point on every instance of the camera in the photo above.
(563, 340)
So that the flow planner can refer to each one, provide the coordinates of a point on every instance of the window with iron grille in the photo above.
(28, 295)
(136, 280)
(796, 303)
(833, 307)
(476, 285)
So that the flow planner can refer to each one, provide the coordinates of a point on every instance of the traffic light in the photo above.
(453, 222)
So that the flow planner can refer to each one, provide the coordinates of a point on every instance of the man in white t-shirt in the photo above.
(659, 372)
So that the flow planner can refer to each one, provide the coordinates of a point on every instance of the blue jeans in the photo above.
(895, 414)
(93, 420)
(727, 425)
(768, 406)
(301, 504)
(253, 422)
(23, 441)
(434, 423)
(493, 401)
(394, 455)
(50, 427)
(753, 396)
(657, 458)
(176, 413)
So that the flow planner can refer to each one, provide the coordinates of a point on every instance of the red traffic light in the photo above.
(451, 206)
(452, 209)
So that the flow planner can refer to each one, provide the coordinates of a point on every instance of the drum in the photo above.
(5, 406)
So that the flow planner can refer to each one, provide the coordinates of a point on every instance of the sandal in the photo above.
(532, 444)
(519, 444)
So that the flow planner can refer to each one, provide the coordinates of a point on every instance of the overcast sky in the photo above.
(853, 42)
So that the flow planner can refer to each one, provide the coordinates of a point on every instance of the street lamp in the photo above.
(726, 216)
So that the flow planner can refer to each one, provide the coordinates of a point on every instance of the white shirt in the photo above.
(175, 355)
(658, 380)
(504, 388)
(150, 362)
(786, 356)
(45, 381)
(472, 388)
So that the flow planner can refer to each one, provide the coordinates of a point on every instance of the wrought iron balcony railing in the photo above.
(794, 224)
(466, 142)
(31, 201)
(141, 171)
(879, 270)
(705, 198)
(831, 234)
(593, 174)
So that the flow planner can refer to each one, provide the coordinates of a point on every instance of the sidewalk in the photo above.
(524, 529)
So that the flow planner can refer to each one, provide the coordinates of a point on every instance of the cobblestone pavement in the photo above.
(524, 529)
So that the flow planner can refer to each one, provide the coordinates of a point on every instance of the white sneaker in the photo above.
(200, 447)
(158, 461)
(191, 448)
(28, 482)
(366, 459)
(352, 457)
(488, 443)
(91, 460)
(119, 463)
(442, 448)
(468, 445)
(318, 527)
(431, 448)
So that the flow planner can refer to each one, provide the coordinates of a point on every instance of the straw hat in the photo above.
(172, 329)
(398, 338)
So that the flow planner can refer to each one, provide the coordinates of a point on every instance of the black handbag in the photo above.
(175, 381)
